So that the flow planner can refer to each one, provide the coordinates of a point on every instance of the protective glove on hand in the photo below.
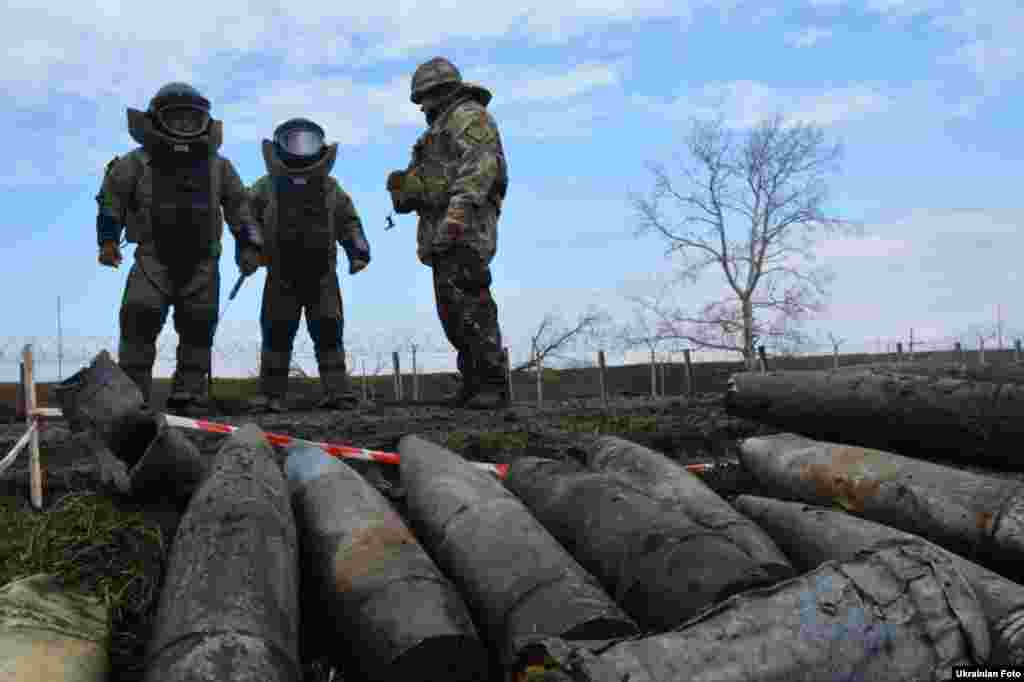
(356, 265)
(406, 190)
(249, 260)
(395, 180)
(110, 255)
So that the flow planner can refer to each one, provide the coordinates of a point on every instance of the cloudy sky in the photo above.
(923, 94)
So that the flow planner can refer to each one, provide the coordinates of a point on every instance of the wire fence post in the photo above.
(415, 376)
(661, 370)
(602, 369)
(508, 373)
(398, 376)
(365, 394)
(654, 377)
(539, 365)
(689, 373)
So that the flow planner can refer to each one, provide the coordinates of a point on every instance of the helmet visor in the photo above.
(300, 142)
(184, 119)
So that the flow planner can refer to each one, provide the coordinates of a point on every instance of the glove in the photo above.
(249, 259)
(356, 265)
(406, 190)
(250, 235)
(110, 254)
(395, 180)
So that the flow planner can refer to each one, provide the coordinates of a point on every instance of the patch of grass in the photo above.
(232, 388)
(605, 423)
(90, 544)
(486, 441)
(456, 441)
(503, 440)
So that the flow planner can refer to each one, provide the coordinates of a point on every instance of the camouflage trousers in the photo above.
(469, 315)
(148, 296)
(283, 304)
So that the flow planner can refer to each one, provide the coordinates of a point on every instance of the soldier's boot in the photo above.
(189, 386)
(334, 381)
(273, 382)
(466, 389)
(492, 389)
(267, 403)
(488, 398)
(467, 383)
(136, 360)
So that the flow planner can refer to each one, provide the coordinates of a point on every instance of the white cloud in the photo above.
(808, 37)
(990, 61)
(534, 85)
(867, 247)
(747, 102)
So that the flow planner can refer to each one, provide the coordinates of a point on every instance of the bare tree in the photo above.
(553, 337)
(645, 330)
(836, 342)
(771, 186)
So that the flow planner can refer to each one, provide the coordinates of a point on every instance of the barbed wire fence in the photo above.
(395, 368)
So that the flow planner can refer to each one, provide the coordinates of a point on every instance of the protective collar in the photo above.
(464, 93)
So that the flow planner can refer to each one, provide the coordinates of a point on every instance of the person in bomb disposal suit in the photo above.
(456, 182)
(304, 214)
(168, 194)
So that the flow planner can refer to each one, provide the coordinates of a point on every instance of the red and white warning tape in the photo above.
(333, 449)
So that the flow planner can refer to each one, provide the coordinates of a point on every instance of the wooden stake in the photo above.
(35, 466)
(602, 368)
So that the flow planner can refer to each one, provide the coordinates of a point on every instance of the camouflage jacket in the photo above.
(462, 163)
(348, 229)
(127, 197)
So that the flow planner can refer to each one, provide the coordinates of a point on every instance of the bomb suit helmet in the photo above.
(180, 110)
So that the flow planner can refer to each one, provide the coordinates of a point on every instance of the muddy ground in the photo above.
(694, 431)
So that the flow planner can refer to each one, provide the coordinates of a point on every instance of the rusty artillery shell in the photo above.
(980, 517)
(171, 466)
(520, 582)
(899, 611)
(813, 535)
(387, 604)
(662, 479)
(229, 607)
(660, 565)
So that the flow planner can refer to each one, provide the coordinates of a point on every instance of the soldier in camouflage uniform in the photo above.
(168, 194)
(456, 182)
(304, 214)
